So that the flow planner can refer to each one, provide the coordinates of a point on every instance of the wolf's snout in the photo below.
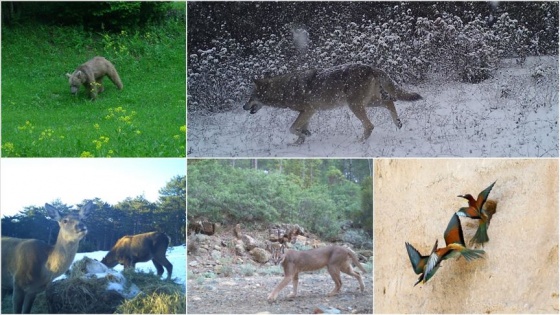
(252, 107)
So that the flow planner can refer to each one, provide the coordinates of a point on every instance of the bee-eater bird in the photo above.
(419, 262)
(455, 242)
(476, 210)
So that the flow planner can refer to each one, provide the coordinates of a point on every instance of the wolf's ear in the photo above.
(79, 74)
(258, 82)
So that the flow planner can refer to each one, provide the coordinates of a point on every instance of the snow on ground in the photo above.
(175, 255)
(514, 114)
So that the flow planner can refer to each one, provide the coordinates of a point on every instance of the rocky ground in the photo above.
(246, 295)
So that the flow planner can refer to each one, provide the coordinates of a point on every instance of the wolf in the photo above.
(306, 92)
(335, 258)
(91, 74)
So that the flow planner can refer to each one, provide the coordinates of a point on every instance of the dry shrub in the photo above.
(155, 303)
(158, 297)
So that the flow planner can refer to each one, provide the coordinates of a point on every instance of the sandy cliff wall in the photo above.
(413, 202)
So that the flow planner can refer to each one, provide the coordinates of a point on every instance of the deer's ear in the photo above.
(52, 212)
(86, 209)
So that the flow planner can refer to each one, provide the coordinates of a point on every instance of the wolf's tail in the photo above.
(356, 261)
(394, 90)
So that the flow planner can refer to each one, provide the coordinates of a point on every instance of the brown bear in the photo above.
(91, 74)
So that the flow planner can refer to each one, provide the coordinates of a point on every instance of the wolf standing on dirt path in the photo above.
(336, 258)
(355, 85)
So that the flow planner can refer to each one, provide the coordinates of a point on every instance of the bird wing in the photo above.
(454, 231)
(470, 212)
(432, 266)
(483, 196)
(418, 261)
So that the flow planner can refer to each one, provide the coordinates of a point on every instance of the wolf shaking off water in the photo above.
(91, 75)
(355, 85)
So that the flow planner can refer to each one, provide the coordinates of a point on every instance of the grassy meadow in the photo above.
(41, 118)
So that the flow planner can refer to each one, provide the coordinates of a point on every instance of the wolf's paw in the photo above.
(367, 133)
(306, 132)
(398, 123)
(333, 293)
(270, 298)
(299, 141)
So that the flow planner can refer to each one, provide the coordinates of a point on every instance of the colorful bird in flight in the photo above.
(455, 242)
(476, 210)
(419, 262)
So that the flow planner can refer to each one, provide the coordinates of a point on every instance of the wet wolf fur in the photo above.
(355, 85)
(132, 249)
(91, 75)
(335, 258)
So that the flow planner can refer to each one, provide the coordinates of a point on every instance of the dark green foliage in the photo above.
(95, 15)
(316, 194)
(365, 217)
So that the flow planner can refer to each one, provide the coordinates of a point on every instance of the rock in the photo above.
(321, 309)
(260, 255)
(218, 269)
(240, 249)
(216, 254)
(249, 242)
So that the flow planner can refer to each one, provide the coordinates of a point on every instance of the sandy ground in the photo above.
(413, 202)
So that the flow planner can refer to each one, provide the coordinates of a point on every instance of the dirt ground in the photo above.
(247, 295)
(414, 201)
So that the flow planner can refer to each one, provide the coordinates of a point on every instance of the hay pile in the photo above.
(85, 292)
(80, 295)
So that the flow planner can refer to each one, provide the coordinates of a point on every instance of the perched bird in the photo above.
(419, 262)
(455, 242)
(476, 210)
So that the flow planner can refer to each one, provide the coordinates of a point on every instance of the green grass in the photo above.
(40, 118)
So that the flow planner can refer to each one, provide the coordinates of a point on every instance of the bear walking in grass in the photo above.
(91, 74)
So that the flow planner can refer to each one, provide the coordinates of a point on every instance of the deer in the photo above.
(29, 265)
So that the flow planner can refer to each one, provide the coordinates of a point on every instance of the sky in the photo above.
(34, 182)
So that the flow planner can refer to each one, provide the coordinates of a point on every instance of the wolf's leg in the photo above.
(390, 105)
(347, 269)
(294, 283)
(334, 271)
(272, 296)
(99, 85)
(114, 76)
(305, 129)
(300, 125)
(360, 111)
(92, 89)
